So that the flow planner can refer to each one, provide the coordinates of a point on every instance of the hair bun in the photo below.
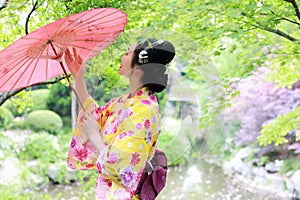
(162, 53)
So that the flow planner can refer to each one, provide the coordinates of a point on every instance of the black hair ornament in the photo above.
(143, 55)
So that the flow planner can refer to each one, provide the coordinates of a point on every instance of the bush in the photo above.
(46, 120)
(5, 117)
(59, 99)
(256, 106)
(290, 164)
(39, 98)
(18, 123)
(40, 146)
(20, 104)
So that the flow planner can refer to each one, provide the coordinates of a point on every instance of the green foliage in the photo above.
(40, 146)
(20, 104)
(39, 98)
(174, 141)
(44, 120)
(5, 117)
(59, 99)
(18, 123)
(290, 164)
(276, 130)
(9, 192)
(171, 152)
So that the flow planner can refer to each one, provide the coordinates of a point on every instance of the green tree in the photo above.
(255, 32)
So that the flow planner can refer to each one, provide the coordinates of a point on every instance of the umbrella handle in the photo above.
(67, 76)
(71, 86)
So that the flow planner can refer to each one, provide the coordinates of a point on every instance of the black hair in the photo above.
(153, 56)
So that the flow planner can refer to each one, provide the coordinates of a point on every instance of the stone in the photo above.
(10, 171)
(235, 165)
(243, 153)
(271, 167)
(296, 180)
(71, 175)
(53, 173)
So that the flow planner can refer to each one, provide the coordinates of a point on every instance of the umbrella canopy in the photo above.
(38, 56)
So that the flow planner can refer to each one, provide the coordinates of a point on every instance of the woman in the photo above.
(119, 138)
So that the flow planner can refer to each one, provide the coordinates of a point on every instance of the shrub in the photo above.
(40, 146)
(20, 104)
(59, 99)
(290, 164)
(44, 120)
(260, 102)
(5, 117)
(18, 123)
(39, 98)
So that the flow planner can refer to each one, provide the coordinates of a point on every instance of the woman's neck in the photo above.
(135, 86)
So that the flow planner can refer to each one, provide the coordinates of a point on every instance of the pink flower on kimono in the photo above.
(147, 123)
(147, 102)
(81, 118)
(80, 153)
(135, 158)
(101, 190)
(139, 126)
(70, 163)
(153, 98)
(149, 137)
(120, 111)
(154, 120)
(130, 132)
(128, 176)
(122, 135)
(122, 194)
(112, 158)
(99, 167)
(89, 165)
(73, 142)
(97, 113)
(139, 93)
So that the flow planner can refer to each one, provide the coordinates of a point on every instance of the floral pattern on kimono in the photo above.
(130, 129)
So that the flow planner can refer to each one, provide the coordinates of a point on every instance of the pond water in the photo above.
(198, 180)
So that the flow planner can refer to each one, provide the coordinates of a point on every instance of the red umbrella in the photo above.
(38, 56)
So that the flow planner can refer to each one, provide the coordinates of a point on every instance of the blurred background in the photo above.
(231, 112)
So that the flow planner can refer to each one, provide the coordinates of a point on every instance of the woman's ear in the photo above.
(138, 70)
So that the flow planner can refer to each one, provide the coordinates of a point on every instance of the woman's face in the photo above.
(125, 67)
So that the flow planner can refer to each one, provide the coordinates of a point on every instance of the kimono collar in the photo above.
(140, 94)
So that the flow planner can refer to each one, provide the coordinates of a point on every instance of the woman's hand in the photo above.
(74, 62)
(90, 125)
(91, 130)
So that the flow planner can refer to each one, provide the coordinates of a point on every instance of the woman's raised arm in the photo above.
(77, 69)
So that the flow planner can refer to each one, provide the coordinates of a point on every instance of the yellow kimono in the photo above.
(129, 128)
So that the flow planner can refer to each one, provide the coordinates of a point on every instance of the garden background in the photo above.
(232, 108)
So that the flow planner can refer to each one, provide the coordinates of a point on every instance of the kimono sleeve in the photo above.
(124, 160)
(82, 153)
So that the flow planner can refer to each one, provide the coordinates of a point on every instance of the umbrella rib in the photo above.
(46, 27)
(37, 61)
(47, 63)
(13, 60)
(99, 34)
(14, 67)
(83, 28)
(83, 40)
(24, 72)
(79, 24)
(77, 46)
(70, 25)
(16, 58)
(24, 47)
(94, 20)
